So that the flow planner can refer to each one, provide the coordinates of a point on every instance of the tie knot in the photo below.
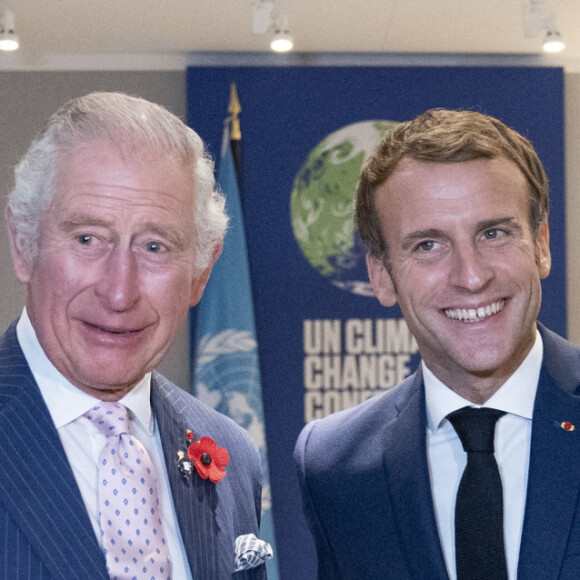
(111, 419)
(475, 427)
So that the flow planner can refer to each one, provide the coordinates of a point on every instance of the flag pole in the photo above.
(225, 356)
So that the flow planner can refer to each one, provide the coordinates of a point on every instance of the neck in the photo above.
(478, 391)
(476, 388)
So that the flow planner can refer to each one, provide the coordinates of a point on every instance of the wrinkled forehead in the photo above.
(435, 182)
(409, 164)
(97, 166)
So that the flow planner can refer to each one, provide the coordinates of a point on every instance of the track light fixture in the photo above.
(553, 41)
(540, 18)
(8, 37)
(282, 39)
(267, 17)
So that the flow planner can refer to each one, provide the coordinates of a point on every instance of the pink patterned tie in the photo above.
(130, 512)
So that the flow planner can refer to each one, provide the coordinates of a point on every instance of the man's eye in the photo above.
(426, 246)
(85, 239)
(154, 247)
(492, 234)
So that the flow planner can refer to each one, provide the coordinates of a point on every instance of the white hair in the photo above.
(134, 125)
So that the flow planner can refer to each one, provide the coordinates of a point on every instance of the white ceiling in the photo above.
(168, 33)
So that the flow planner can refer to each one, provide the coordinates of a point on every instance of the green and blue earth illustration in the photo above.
(322, 204)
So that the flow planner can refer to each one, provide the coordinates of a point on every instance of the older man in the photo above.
(469, 469)
(107, 469)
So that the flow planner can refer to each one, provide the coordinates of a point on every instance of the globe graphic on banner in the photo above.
(322, 203)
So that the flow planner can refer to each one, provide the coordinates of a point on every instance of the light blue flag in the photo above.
(226, 371)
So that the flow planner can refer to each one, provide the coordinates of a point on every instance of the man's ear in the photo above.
(199, 282)
(543, 255)
(21, 259)
(381, 281)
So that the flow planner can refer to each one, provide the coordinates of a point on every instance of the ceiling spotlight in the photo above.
(282, 39)
(8, 37)
(553, 41)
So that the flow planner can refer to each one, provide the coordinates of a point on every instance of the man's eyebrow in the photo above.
(76, 220)
(171, 235)
(503, 221)
(420, 235)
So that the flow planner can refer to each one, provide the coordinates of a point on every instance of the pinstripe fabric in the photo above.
(45, 532)
(211, 516)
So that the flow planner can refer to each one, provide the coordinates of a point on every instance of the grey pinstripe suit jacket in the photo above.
(45, 531)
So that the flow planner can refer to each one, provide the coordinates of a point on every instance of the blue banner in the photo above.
(325, 344)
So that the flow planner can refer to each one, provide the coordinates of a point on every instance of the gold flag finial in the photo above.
(234, 110)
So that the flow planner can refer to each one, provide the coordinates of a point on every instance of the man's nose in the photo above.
(470, 269)
(118, 286)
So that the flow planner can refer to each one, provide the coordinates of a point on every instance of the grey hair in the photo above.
(134, 125)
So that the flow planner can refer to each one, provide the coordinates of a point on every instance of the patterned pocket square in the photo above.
(251, 552)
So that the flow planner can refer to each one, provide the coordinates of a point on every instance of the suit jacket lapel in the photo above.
(405, 460)
(554, 471)
(37, 485)
(195, 499)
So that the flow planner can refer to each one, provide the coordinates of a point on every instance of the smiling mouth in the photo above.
(112, 330)
(475, 314)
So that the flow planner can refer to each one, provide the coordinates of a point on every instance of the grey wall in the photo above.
(27, 99)
(572, 124)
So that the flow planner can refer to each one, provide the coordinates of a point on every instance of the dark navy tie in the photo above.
(479, 542)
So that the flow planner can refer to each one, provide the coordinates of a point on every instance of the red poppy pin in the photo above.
(208, 459)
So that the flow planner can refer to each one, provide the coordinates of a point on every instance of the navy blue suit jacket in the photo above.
(45, 530)
(367, 497)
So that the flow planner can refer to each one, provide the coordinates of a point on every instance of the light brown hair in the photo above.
(445, 136)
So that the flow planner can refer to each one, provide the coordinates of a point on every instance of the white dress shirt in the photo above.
(447, 460)
(83, 443)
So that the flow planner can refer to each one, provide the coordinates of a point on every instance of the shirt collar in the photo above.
(516, 396)
(56, 389)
